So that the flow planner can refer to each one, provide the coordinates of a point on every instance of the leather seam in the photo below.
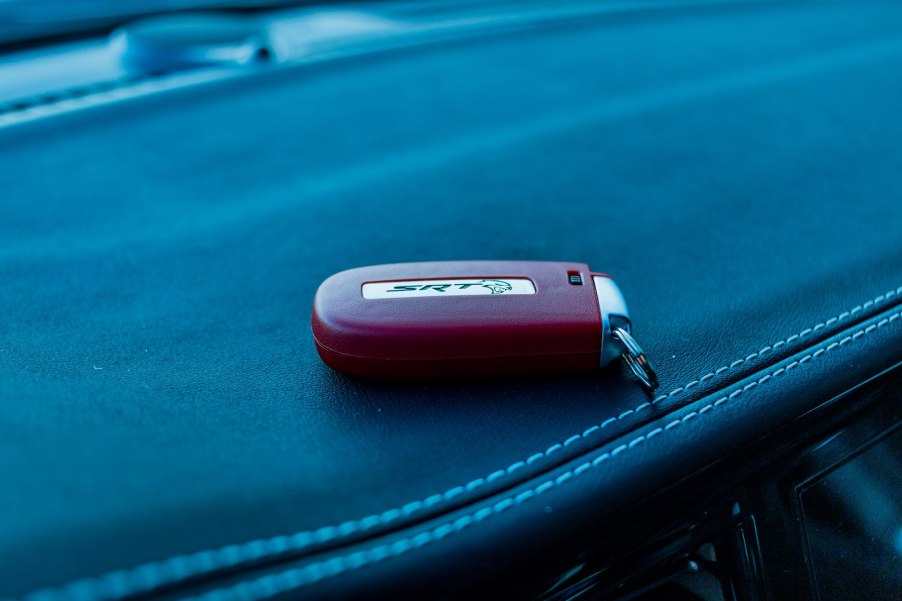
(296, 578)
(149, 576)
(102, 93)
(25, 104)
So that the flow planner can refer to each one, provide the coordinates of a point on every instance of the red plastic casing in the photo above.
(554, 330)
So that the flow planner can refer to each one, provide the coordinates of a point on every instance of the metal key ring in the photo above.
(636, 359)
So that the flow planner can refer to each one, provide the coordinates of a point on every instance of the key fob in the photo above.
(473, 318)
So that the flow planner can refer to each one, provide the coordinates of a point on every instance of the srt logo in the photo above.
(496, 286)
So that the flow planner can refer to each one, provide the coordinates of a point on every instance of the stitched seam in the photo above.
(149, 576)
(56, 97)
(99, 94)
(296, 578)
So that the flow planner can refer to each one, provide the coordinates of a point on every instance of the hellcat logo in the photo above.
(495, 286)
(448, 287)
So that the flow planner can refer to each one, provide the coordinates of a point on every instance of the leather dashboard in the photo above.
(168, 427)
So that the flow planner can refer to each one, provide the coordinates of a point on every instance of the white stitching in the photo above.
(293, 579)
(149, 576)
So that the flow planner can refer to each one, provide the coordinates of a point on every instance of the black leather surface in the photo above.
(162, 397)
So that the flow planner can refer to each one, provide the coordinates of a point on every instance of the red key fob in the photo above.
(473, 318)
